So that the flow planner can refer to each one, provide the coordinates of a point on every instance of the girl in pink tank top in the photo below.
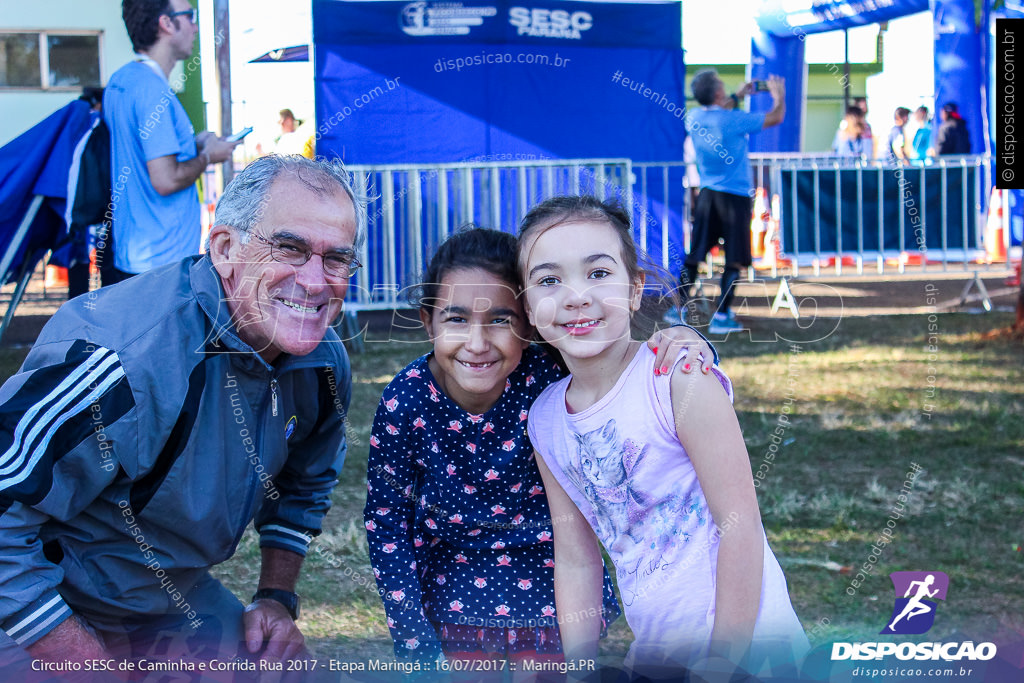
(652, 466)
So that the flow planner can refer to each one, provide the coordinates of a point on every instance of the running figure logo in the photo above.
(916, 595)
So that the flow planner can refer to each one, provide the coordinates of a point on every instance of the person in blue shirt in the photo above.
(919, 135)
(719, 130)
(895, 144)
(156, 157)
(853, 139)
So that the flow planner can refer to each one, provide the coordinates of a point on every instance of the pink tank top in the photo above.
(621, 462)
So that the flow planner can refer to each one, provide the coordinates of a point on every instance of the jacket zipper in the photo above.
(253, 479)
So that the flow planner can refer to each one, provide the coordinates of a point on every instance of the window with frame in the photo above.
(49, 59)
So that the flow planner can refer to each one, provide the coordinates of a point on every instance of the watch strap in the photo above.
(289, 599)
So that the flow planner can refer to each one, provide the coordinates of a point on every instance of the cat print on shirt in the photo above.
(603, 471)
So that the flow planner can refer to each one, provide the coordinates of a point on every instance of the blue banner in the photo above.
(772, 55)
(442, 97)
(958, 74)
(428, 83)
(544, 22)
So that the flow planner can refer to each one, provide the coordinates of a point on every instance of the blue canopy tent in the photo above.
(779, 50)
(963, 71)
(400, 83)
(462, 81)
(34, 174)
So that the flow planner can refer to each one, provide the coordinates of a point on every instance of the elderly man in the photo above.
(153, 420)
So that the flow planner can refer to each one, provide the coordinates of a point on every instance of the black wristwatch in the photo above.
(287, 598)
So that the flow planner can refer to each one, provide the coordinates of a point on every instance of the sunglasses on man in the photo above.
(192, 14)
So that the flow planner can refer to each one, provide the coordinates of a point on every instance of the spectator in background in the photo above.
(894, 144)
(917, 135)
(853, 137)
(862, 104)
(156, 157)
(724, 204)
(866, 133)
(81, 241)
(295, 136)
(953, 136)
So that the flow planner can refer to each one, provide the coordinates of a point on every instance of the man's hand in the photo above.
(218, 149)
(675, 342)
(167, 175)
(267, 622)
(69, 642)
(203, 138)
(777, 88)
(745, 90)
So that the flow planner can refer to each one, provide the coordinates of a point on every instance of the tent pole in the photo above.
(221, 23)
(19, 236)
(846, 70)
(19, 292)
(8, 259)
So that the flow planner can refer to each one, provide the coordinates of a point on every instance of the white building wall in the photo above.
(21, 109)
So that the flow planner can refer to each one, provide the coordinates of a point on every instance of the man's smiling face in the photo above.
(280, 308)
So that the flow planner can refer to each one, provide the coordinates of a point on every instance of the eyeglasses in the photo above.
(340, 264)
(192, 14)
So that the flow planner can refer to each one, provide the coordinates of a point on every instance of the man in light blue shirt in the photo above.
(156, 157)
(719, 131)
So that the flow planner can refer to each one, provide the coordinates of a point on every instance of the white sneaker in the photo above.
(724, 324)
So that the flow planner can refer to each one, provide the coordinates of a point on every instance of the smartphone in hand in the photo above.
(235, 137)
(760, 86)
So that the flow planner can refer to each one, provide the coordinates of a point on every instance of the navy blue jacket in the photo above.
(138, 441)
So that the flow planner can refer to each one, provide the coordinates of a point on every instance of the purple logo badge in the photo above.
(916, 596)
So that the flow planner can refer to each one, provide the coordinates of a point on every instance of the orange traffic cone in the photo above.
(911, 259)
(848, 261)
(773, 245)
(56, 276)
(759, 223)
(995, 247)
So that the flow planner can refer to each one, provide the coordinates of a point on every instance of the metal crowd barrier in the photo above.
(838, 212)
(413, 208)
(823, 215)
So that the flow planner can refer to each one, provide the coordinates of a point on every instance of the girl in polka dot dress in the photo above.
(456, 516)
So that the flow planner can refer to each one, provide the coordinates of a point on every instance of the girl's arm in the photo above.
(707, 427)
(578, 572)
(389, 517)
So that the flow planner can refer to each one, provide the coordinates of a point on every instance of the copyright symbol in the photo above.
(1007, 174)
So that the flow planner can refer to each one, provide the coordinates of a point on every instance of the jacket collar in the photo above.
(223, 337)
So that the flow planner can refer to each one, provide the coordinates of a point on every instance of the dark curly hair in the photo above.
(492, 251)
(141, 18)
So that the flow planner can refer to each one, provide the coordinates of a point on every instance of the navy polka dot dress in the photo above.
(457, 522)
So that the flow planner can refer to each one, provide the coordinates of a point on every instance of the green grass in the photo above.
(856, 422)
